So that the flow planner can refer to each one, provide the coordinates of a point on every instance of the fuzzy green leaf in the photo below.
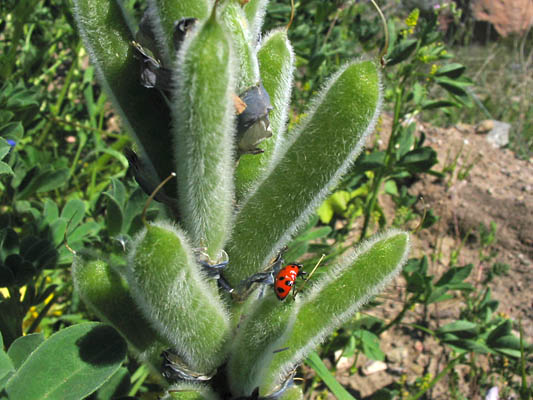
(337, 295)
(262, 333)
(144, 112)
(276, 63)
(163, 15)
(71, 364)
(107, 294)
(235, 22)
(204, 136)
(313, 160)
(293, 393)
(190, 391)
(175, 297)
(255, 12)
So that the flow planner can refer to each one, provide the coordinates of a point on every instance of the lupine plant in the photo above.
(205, 95)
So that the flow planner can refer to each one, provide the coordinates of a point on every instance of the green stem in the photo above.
(381, 173)
(400, 315)
(523, 389)
(77, 125)
(55, 109)
(140, 375)
(81, 143)
(371, 203)
(443, 373)
(103, 160)
(17, 35)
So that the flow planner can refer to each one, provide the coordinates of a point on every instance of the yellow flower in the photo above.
(412, 19)
(434, 69)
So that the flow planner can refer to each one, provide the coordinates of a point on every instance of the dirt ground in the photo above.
(498, 188)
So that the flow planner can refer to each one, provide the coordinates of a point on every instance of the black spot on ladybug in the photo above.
(280, 290)
(281, 278)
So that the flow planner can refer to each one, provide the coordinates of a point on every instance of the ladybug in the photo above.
(285, 279)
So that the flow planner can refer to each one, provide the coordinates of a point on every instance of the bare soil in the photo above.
(496, 187)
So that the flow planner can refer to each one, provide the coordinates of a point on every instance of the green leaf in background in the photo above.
(113, 216)
(50, 212)
(401, 51)
(5, 169)
(455, 86)
(70, 365)
(436, 104)
(455, 275)
(458, 326)
(12, 130)
(453, 70)
(5, 147)
(468, 345)
(370, 344)
(45, 181)
(507, 342)
(334, 204)
(501, 330)
(73, 212)
(419, 160)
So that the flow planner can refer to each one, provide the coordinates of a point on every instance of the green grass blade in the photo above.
(314, 361)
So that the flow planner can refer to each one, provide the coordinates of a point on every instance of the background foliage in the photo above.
(63, 173)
